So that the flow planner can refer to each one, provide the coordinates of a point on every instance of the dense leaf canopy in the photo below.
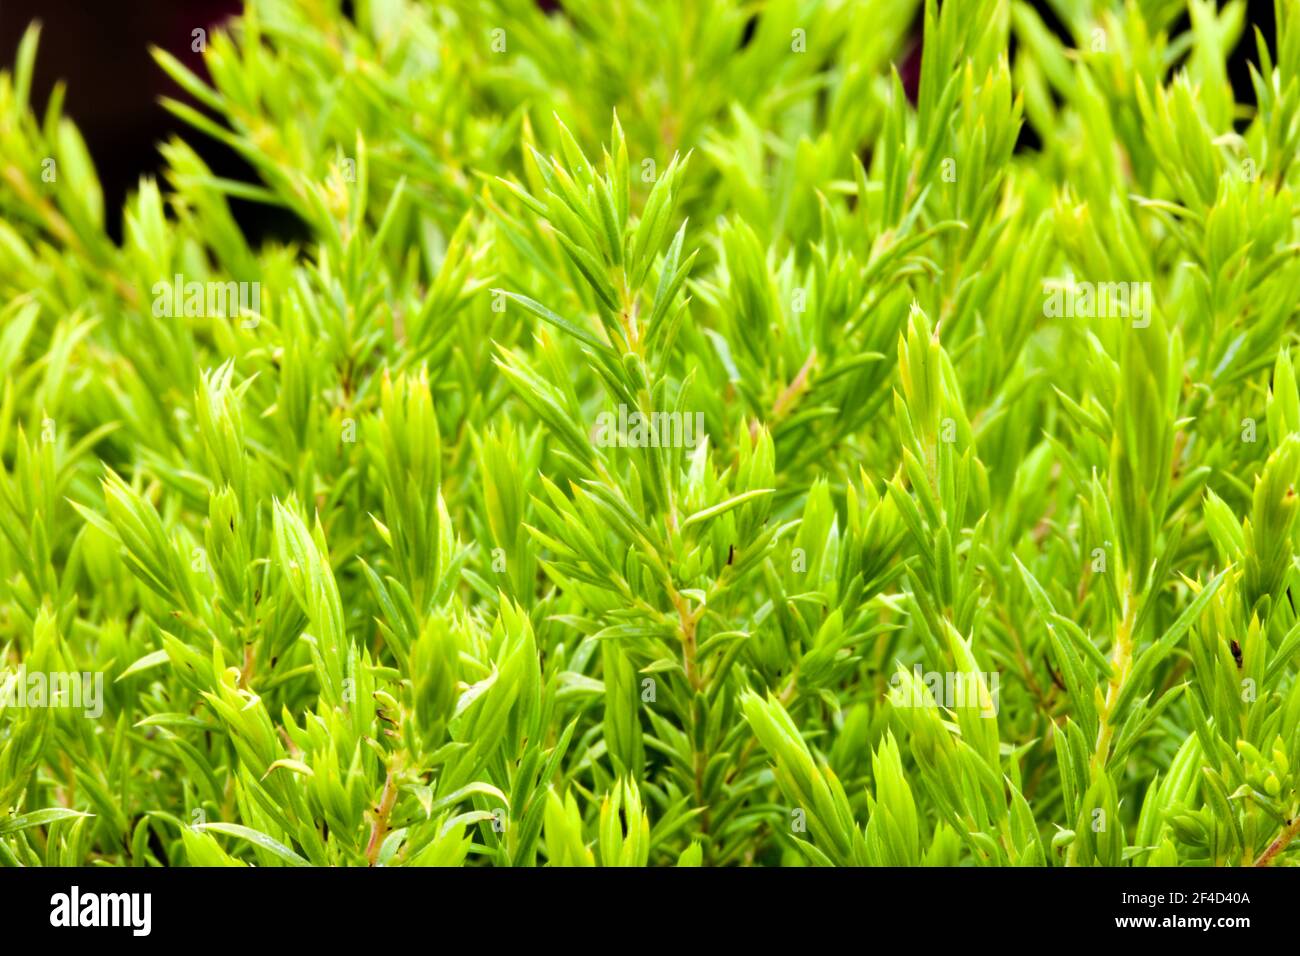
(672, 439)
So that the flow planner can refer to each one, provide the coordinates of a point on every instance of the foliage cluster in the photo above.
(364, 590)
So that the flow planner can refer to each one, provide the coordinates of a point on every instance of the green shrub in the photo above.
(667, 443)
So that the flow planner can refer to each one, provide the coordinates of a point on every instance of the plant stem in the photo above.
(1122, 660)
(379, 829)
(1283, 840)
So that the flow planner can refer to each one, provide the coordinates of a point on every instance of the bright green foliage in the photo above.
(666, 444)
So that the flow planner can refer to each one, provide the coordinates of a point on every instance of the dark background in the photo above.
(100, 49)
